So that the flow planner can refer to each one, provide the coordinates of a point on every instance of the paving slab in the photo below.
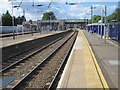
(80, 70)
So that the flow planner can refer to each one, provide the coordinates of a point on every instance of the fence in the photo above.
(112, 29)
(114, 32)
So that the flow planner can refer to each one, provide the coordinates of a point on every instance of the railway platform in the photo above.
(23, 38)
(91, 64)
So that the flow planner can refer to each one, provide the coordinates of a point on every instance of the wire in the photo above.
(50, 3)
(66, 10)
(66, 2)
(20, 3)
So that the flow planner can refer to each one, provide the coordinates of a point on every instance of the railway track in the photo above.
(8, 63)
(30, 65)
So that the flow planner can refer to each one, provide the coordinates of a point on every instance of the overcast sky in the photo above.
(59, 7)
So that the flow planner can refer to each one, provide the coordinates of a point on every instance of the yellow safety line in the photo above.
(105, 85)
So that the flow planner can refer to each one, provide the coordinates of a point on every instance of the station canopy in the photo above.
(95, 24)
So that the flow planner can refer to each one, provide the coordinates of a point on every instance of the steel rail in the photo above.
(29, 55)
(15, 87)
(54, 80)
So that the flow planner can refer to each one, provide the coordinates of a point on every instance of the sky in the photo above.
(61, 10)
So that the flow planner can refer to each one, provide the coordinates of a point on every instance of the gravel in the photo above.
(25, 67)
(46, 74)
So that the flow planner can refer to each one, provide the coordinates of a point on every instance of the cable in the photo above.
(66, 10)
(50, 3)
(20, 3)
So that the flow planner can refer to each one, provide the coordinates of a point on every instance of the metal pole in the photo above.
(31, 30)
(101, 22)
(105, 24)
(98, 28)
(23, 19)
(91, 17)
(86, 23)
(49, 23)
(13, 21)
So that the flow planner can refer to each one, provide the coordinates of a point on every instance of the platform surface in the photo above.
(83, 69)
(22, 38)
(80, 71)
(108, 57)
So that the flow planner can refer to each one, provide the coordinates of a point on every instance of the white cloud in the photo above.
(77, 11)
(76, 0)
(80, 15)
(86, 10)
(81, 11)
(80, 8)
(5, 5)
(110, 9)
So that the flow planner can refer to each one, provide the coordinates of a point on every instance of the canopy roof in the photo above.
(95, 24)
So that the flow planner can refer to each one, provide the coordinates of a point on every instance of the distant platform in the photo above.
(22, 38)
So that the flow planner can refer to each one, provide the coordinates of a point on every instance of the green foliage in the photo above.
(7, 19)
(19, 20)
(115, 16)
(96, 18)
(49, 16)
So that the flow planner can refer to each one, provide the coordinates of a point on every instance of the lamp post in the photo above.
(12, 18)
(23, 15)
(39, 25)
(105, 24)
(92, 15)
(87, 20)
(23, 19)
(102, 11)
(50, 23)
(13, 21)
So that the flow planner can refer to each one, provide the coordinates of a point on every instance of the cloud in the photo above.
(83, 11)
(80, 15)
(4, 5)
(110, 9)
(61, 10)
(80, 10)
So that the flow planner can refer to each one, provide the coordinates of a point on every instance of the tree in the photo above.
(49, 16)
(20, 20)
(96, 18)
(7, 19)
(30, 21)
(115, 16)
(117, 12)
